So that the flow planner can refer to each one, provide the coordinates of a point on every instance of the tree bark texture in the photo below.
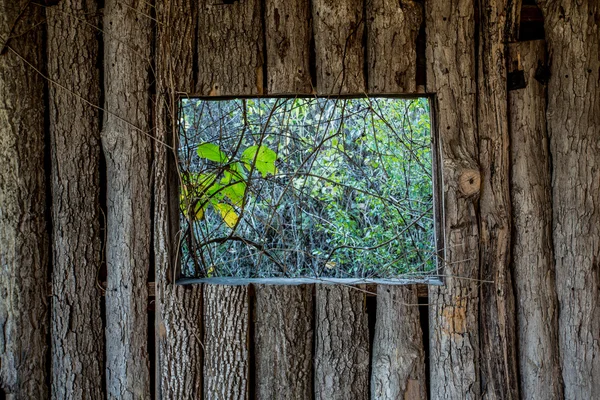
(178, 309)
(230, 48)
(341, 343)
(499, 375)
(393, 27)
(176, 45)
(573, 35)
(398, 368)
(338, 31)
(76, 333)
(288, 36)
(284, 342)
(23, 236)
(533, 256)
(127, 146)
(226, 342)
(454, 307)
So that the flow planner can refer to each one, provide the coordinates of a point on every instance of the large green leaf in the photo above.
(233, 187)
(265, 159)
(211, 152)
(227, 213)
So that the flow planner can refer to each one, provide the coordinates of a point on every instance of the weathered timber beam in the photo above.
(126, 141)
(454, 307)
(341, 359)
(398, 359)
(393, 27)
(287, 40)
(533, 255)
(23, 237)
(338, 31)
(76, 323)
(497, 324)
(230, 48)
(573, 118)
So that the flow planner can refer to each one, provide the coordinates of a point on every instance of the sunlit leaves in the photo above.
(211, 152)
(263, 156)
(230, 217)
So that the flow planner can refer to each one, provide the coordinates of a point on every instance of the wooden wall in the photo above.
(88, 97)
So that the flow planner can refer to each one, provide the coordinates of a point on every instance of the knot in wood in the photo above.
(469, 182)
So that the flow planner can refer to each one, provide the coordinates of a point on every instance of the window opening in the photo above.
(306, 187)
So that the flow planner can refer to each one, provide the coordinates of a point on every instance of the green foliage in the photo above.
(306, 187)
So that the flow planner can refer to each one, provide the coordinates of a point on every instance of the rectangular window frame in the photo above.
(173, 188)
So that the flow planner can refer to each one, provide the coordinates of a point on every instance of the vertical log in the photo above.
(288, 35)
(338, 31)
(341, 343)
(76, 331)
(398, 370)
(497, 310)
(176, 45)
(454, 329)
(573, 34)
(127, 146)
(230, 48)
(178, 309)
(226, 342)
(393, 27)
(533, 256)
(23, 236)
(284, 342)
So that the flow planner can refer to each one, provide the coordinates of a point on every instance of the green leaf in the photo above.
(265, 159)
(211, 152)
(233, 188)
(227, 213)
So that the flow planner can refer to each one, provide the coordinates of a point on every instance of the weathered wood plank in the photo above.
(76, 328)
(339, 51)
(23, 237)
(393, 27)
(179, 309)
(573, 35)
(230, 48)
(176, 43)
(341, 343)
(497, 322)
(454, 308)
(127, 147)
(398, 361)
(179, 340)
(288, 36)
(284, 342)
(226, 342)
(533, 255)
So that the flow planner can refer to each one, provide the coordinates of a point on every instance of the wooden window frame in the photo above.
(438, 207)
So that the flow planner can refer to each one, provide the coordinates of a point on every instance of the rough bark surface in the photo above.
(338, 31)
(284, 342)
(499, 375)
(398, 368)
(230, 48)
(288, 35)
(178, 309)
(127, 146)
(179, 339)
(76, 333)
(533, 256)
(341, 343)
(573, 34)
(226, 342)
(23, 236)
(393, 27)
(176, 57)
(453, 313)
